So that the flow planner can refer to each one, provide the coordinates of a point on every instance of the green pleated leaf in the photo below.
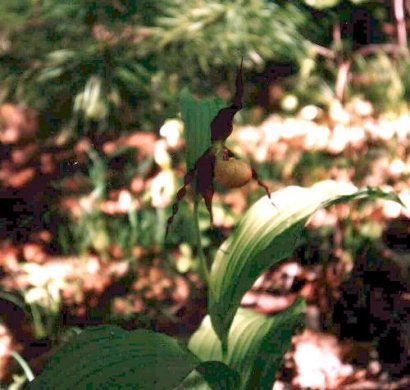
(107, 357)
(197, 115)
(257, 345)
(266, 235)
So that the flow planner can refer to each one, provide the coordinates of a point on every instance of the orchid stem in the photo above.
(224, 348)
(202, 259)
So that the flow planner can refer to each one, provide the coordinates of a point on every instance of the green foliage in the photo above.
(93, 230)
(120, 62)
(13, 14)
(257, 345)
(218, 376)
(105, 357)
(267, 234)
(88, 11)
(380, 80)
(197, 115)
(79, 56)
(103, 76)
(257, 29)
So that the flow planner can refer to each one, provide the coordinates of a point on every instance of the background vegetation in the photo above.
(92, 154)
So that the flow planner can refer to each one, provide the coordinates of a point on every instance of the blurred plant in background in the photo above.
(115, 64)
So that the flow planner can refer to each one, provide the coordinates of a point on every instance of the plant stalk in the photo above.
(224, 347)
(202, 259)
(23, 364)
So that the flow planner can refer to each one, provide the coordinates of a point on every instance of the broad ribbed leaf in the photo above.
(257, 345)
(266, 235)
(197, 115)
(107, 357)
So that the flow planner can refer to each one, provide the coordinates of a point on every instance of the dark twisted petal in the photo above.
(205, 179)
(237, 100)
(260, 182)
(180, 195)
(221, 125)
(203, 168)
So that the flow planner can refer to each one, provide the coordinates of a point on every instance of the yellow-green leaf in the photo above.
(257, 345)
(266, 235)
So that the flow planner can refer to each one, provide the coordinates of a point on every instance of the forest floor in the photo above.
(45, 292)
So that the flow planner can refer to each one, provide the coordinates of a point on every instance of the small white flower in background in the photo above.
(125, 201)
(37, 295)
(397, 168)
(221, 218)
(161, 155)
(309, 112)
(261, 154)
(47, 281)
(322, 217)
(317, 137)
(384, 129)
(89, 202)
(289, 103)
(405, 198)
(360, 107)
(92, 266)
(184, 260)
(403, 127)
(47, 297)
(339, 140)
(37, 275)
(269, 129)
(293, 128)
(248, 134)
(338, 114)
(172, 130)
(163, 189)
(357, 136)
(391, 209)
